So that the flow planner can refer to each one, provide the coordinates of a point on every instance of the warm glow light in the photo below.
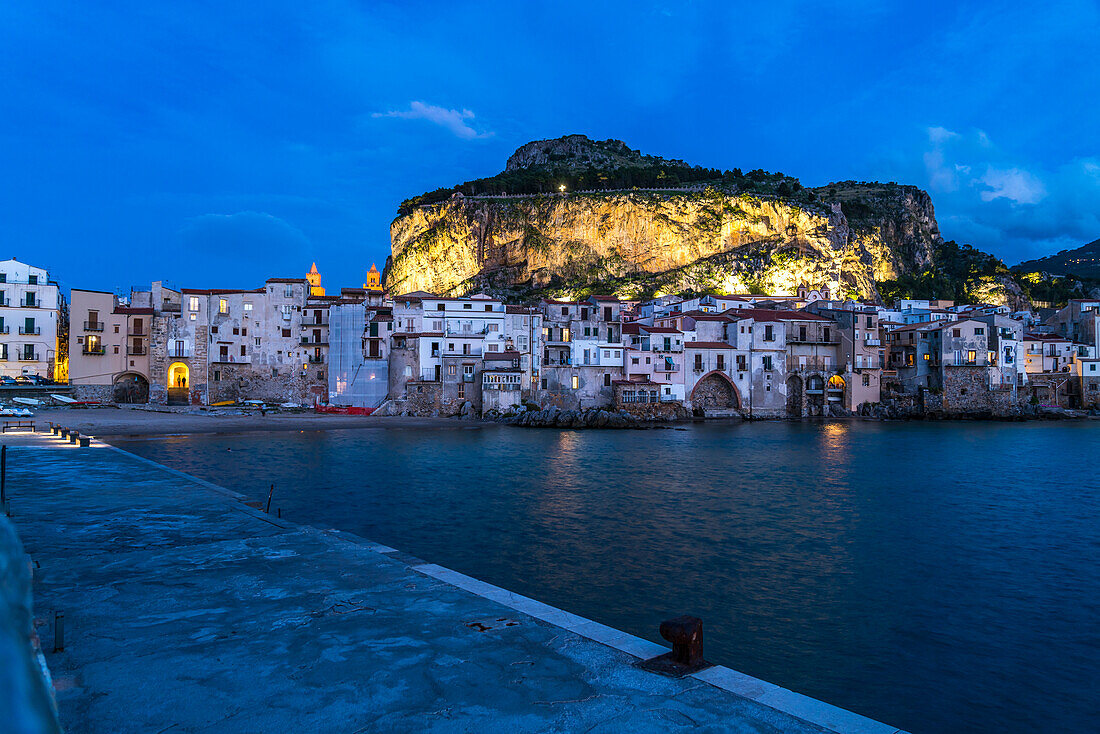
(562, 188)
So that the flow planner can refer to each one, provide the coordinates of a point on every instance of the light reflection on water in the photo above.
(940, 577)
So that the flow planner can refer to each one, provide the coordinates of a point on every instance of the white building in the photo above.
(33, 315)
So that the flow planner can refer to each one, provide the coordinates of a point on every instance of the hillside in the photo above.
(1082, 262)
(638, 225)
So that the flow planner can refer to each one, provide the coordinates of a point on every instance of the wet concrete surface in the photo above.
(186, 610)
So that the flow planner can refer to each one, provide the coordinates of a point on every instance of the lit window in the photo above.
(223, 306)
(576, 382)
(193, 303)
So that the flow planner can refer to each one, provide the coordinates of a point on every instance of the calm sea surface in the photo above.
(936, 576)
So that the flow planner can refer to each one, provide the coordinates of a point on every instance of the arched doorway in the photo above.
(815, 395)
(794, 396)
(834, 390)
(131, 387)
(178, 375)
(715, 390)
(179, 382)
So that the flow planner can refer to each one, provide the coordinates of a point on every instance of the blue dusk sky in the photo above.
(215, 144)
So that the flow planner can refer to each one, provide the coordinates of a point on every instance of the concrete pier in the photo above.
(187, 610)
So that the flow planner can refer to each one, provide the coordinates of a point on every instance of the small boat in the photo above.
(27, 401)
(64, 399)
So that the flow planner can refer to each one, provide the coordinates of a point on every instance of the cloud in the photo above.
(1014, 184)
(453, 120)
(1003, 203)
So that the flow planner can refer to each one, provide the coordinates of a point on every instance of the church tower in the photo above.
(314, 279)
(374, 279)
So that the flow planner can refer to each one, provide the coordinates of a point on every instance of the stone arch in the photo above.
(179, 375)
(794, 397)
(815, 394)
(715, 390)
(131, 387)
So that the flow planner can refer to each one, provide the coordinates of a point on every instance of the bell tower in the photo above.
(314, 279)
(374, 279)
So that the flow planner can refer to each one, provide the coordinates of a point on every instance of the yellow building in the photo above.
(374, 279)
(314, 279)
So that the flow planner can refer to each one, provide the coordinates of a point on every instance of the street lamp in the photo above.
(561, 188)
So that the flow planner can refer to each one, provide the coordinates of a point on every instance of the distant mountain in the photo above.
(1083, 262)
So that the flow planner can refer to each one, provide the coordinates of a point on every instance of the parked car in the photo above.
(5, 380)
(31, 380)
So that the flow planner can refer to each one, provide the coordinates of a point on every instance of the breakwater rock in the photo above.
(589, 418)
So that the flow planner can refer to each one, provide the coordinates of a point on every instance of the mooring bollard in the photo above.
(64, 433)
(73, 436)
(85, 441)
(55, 429)
(686, 635)
(59, 632)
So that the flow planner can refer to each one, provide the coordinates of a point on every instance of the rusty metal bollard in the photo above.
(686, 635)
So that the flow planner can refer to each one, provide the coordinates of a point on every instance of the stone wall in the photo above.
(966, 390)
(26, 694)
(236, 381)
(158, 360)
(423, 398)
(667, 411)
(93, 393)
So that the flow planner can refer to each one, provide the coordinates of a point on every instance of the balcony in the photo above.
(305, 342)
(428, 376)
(137, 331)
(94, 351)
(471, 353)
(30, 303)
(231, 359)
(314, 324)
(5, 329)
(316, 358)
(668, 368)
(811, 339)
(467, 377)
(179, 352)
(137, 351)
(169, 307)
(31, 357)
(33, 331)
(93, 326)
(872, 342)
(5, 301)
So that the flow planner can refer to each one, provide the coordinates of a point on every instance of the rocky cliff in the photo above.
(732, 235)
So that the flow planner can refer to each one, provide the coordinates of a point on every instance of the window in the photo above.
(767, 362)
(956, 333)
(768, 335)
(116, 328)
(971, 356)
(564, 310)
(32, 279)
(243, 352)
(740, 363)
(494, 347)
(452, 370)
(866, 380)
(634, 360)
(286, 332)
(979, 332)
(236, 331)
(488, 308)
(244, 331)
(827, 339)
(607, 379)
(193, 303)
(576, 382)
(257, 341)
(288, 291)
(467, 306)
(584, 314)
(461, 390)
(223, 306)
(721, 361)
(698, 363)
(248, 309)
(544, 383)
(607, 354)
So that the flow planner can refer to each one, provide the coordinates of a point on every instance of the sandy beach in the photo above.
(105, 422)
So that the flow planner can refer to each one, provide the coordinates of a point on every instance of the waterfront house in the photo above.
(33, 323)
(108, 348)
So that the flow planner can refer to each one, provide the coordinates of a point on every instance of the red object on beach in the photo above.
(342, 410)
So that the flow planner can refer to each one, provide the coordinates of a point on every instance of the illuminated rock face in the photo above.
(638, 243)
